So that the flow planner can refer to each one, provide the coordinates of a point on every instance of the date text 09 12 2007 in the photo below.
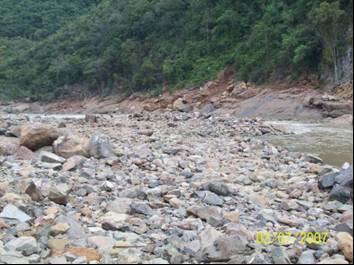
(286, 238)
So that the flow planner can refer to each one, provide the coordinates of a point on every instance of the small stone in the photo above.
(8, 145)
(333, 261)
(111, 221)
(146, 132)
(313, 159)
(13, 258)
(86, 211)
(11, 198)
(102, 243)
(26, 245)
(279, 256)
(76, 231)
(307, 257)
(73, 163)
(233, 217)
(141, 208)
(282, 195)
(175, 203)
(35, 258)
(24, 153)
(345, 244)
(80, 260)
(32, 191)
(3, 224)
(48, 157)
(206, 213)
(157, 261)
(100, 146)
(70, 257)
(108, 186)
(212, 199)
(12, 212)
(224, 247)
(91, 254)
(51, 213)
(59, 229)
(219, 188)
(57, 246)
(57, 260)
(59, 193)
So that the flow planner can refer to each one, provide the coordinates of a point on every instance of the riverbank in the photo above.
(297, 101)
(166, 187)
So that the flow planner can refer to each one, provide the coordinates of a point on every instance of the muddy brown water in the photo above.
(332, 144)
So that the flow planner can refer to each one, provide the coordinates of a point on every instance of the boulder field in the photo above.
(165, 188)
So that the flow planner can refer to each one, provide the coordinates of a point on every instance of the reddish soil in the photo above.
(302, 100)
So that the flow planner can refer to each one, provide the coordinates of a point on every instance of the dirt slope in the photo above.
(302, 100)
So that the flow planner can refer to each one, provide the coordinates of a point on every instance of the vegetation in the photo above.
(48, 47)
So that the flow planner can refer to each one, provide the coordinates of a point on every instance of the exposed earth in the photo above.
(305, 100)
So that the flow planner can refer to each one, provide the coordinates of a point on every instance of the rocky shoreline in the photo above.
(172, 187)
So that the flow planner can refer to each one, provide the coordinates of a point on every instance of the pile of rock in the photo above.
(37, 136)
(165, 188)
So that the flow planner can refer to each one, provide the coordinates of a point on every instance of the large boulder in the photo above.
(341, 193)
(37, 135)
(182, 105)
(345, 178)
(8, 145)
(340, 183)
(71, 145)
(100, 146)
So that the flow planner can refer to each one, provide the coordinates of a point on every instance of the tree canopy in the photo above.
(50, 48)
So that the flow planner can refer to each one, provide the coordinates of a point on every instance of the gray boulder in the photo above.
(100, 146)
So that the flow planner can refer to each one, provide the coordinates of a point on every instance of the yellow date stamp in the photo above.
(288, 238)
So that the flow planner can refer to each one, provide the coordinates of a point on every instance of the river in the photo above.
(332, 144)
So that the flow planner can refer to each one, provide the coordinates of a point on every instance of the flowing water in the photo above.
(333, 144)
(44, 117)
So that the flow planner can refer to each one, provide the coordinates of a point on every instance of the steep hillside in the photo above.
(35, 19)
(134, 45)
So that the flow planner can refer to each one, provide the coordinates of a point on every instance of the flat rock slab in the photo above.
(12, 212)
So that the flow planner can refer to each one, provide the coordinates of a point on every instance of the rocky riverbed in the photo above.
(164, 188)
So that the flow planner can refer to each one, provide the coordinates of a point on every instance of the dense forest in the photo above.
(52, 48)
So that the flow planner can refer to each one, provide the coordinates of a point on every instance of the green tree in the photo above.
(50, 48)
(327, 18)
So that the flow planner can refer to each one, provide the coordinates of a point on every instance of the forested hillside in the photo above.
(51, 48)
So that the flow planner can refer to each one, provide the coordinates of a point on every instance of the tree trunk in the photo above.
(335, 65)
